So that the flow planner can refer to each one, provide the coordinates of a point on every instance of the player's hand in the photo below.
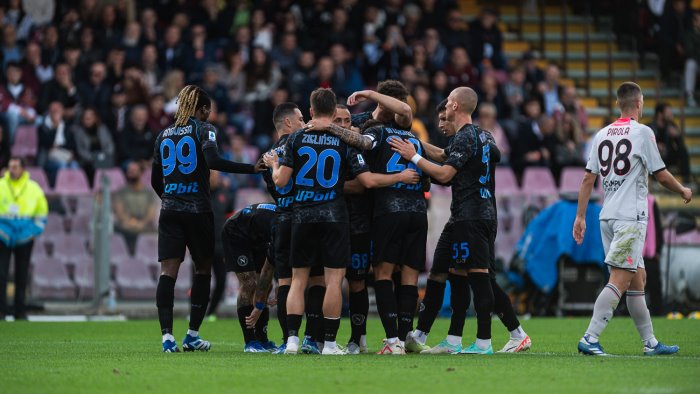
(687, 194)
(270, 159)
(319, 124)
(409, 176)
(579, 229)
(402, 147)
(252, 319)
(358, 97)
(260, 166)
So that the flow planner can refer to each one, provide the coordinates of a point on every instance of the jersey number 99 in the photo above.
(173, 156)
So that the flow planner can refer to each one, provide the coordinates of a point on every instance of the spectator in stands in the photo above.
(16, 101)
(11, 50)
(460, 71)
(436, 51)
(135, 207)
(110, 30)
(486, 43)
(341, 31)
(393, 53)
(34, 72)
(570, 104)
(62, 89)
(514, 90)
(136, 142)
(454, 33)
(691, 46)
(134, 84)
(203, 51)
(676, 22)
(669, 138)
(233, 76)
(94, 144)
(157, 118)
(533, 73)
(149, 26)
(90, 51)
(173, 52)
(71, 56)
(15, 16)
(549, 89)
(420, 64)
(50, 49)
(567, 150)
(23, 210)
(96, 91)
(528, 149)
(56, 144)
(347, 76)
(300, 81)
(487, 120)
(490, 92)
(132, 42)
(286, 53)
(173, 82)
(215, 89)
(262, 77)
(152, 72)
(440, 87)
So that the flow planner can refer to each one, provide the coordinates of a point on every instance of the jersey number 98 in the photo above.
(621, 163)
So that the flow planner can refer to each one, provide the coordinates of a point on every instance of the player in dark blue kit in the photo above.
(183, 155)
(392, 109)
(318, 162)
(246, 238)
(466, 246)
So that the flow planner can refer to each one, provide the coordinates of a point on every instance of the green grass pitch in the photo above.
(125, 357)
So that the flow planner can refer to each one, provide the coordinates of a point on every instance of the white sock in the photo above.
(518, 333)
(403, 344)
(363, 340)
(420, 336)
(637, 307)
(392, 341)
(293, 341)
(454, 340)
(192, 333)
(330, 345)
(168, 337)
(483, 344)
(603, 310)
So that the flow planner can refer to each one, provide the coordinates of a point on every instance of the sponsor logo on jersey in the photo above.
(360, 159)
(212, 135)
(181, 188)
(306, 195)
(316, 139)
(613, 185)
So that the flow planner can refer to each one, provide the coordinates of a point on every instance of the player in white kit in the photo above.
(624, 154)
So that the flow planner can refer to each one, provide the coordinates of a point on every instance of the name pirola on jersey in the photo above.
(625, 153)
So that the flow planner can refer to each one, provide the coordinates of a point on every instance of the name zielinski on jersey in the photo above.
(613, 185)
(316, 139)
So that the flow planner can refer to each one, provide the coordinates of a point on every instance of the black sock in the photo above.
(282, 293)
(359, 308)
(480, 283)
(431, 304)
(408, 296)
(503, 307)
(165, 297)
(293, 325)
(331, 329)
(386, 306)
(201, 286)
(396, 278)
(460, 296)
(314, 312)
(248, 333)
(261, 326)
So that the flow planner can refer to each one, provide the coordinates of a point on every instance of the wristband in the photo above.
(260, 305)
(416, 158)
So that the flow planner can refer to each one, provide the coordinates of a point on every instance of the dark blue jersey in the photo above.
(179, 153)
(399, 197)
(358, 120)
(251, 225)
(283, 195)
(320, 162)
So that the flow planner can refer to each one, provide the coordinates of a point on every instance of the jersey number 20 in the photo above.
(621, 163)
(320, 162)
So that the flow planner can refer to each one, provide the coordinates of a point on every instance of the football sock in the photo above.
(201, 287)
(248, 333)
(359, 308)
(454, 340)
(331, 326)
(603, 310)
(165, 298)
(408, 300)
(518, 333)
(282, 293)
(637, 307)
(293, 325)
(460, 297)
(314, 312)
(483, 344)
(168, 337)
(504, 308)
(396, 278)
(480, 283)
(386, 307)
(261, 326)
(193, 333)
(430, 306)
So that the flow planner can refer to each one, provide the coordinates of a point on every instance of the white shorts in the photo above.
(623, 241)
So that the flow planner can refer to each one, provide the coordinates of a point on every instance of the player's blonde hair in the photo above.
(189, 100)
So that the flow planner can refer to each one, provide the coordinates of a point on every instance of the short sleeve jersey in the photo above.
(282, 195)
(358, 120)
(399, 197)
(320, 162)
(252, 225)
(179, 152)
(469, 153)
(625, 153)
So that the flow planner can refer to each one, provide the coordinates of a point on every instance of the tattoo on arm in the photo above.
(351, 138)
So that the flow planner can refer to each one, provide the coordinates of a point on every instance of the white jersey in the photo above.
(625, 154)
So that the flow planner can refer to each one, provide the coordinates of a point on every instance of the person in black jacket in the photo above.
(56, 148)
(136, 141)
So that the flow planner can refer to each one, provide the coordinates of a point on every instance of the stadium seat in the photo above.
(71, 181)
(133, 280)
(26, 141)
(50, 279)
(115, 175)
(117, 248)
(55, 224)
(84, 276)
(506, 184)
(80, 205)
(69, 247)
(146, 176)
(147, 248)
(538, 181)
(38, 175)
(80, 224)
(570, 179)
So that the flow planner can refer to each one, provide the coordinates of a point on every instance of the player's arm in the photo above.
(584, 195)
(352, 138)
(407, 150)
(262, 289)
(671, 183)
(402, 111)
(434, 153)
(371, 180)
(157, 177)
(214, 161)
(281, 174)
(353, 186)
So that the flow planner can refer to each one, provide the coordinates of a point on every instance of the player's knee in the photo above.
(170, 268)
(438, 277)
(383, 271)
(356, 286)
(462, 272)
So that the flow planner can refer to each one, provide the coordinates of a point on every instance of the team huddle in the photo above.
(349, 202)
